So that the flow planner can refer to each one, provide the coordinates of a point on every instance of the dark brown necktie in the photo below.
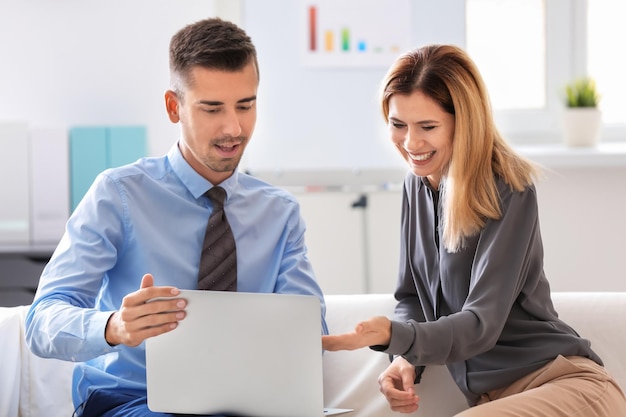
(218, 262)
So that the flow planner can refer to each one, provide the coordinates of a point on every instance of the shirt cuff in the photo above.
(96, 332)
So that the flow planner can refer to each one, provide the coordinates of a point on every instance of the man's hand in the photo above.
(138, 320)
(375, 331)
(397, 385)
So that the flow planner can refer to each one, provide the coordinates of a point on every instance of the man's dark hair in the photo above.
(210, 43)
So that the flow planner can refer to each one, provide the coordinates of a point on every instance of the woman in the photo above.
(472, 293)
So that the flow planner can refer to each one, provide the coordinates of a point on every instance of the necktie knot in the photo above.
(217, 195)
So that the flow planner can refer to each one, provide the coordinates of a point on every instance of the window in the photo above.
(506, 39)
(605, 62)
(527, 50)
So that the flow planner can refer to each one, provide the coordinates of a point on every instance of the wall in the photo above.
(78, 62)
(82, 62)
(583, 225)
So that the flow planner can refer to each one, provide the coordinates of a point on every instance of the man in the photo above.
(138, 233)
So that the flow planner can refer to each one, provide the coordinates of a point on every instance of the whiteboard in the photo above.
(326, 118)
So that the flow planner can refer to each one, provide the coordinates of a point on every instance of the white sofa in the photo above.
(35, 387)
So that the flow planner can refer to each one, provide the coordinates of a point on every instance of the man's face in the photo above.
(217, 115)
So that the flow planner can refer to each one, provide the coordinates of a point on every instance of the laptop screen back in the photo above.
(246, 354)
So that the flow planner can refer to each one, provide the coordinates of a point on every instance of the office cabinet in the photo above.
(353, 239)
(334, 238)
(383, 234)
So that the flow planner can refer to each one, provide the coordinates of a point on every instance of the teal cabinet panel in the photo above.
(125, 145)
(94, 149)
(88, 158)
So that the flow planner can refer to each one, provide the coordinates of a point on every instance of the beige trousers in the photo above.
(565, 387)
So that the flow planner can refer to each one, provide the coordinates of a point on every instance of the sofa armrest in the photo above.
(30, 386)
(599, 317)
(10, 355)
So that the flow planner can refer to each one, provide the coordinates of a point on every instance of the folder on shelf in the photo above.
(88, 158)
(49, 184)
(14, 188)
(125, 145)
(94, 149)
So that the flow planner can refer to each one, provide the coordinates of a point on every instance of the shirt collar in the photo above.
(196, 183)
(426, 183)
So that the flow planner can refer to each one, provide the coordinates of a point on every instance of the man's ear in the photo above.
(171, 106)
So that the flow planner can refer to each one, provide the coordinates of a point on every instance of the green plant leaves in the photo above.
(582, 93)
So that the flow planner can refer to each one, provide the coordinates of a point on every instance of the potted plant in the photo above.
(582, 117)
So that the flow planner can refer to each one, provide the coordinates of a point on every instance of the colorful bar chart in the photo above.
(354, 32)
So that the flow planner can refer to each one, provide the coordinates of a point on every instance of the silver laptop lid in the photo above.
(246, 354)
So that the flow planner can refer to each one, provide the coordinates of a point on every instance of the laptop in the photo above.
(243, 354)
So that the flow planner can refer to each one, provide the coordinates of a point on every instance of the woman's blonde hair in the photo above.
(446, 74)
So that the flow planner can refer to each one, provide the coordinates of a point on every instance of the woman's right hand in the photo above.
(397, 383)
(375, 331)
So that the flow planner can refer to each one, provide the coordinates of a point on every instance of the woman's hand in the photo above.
(398, 386)
(375, 331)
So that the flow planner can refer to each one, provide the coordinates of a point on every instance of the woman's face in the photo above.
(422, 132)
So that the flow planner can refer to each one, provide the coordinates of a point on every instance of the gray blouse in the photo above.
(484, 311)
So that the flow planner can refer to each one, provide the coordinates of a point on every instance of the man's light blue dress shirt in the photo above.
(150, 217)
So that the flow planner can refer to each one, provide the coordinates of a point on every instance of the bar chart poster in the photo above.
(354, 33)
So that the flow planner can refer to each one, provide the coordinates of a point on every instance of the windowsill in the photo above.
(549, 155)
(604, 154)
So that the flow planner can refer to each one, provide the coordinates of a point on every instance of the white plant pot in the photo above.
(581, 126)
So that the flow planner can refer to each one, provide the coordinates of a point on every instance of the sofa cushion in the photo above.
(350, 378)
(31, 386)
